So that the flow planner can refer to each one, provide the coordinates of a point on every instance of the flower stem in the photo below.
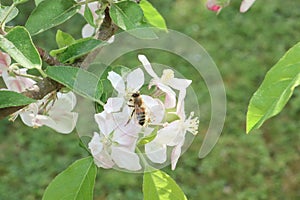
(144, 161)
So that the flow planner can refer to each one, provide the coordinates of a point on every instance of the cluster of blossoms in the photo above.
(54, 110)
(121, 137)
(217, 5)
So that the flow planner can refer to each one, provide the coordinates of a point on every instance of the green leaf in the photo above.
(18, 44)
(126, 14)
(275, 90)
(152, 16)
(88, 16)
(63, 39)
(12, 99)
(19, 1)
(11, 16)
(37, 2)
(77, 49)
(75, 183)
(80, 81)
(50, 13)
(158, 185)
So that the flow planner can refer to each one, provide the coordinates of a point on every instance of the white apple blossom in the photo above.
(116, 145)
(173, 135)
(120, 130)
(54, 112)
(57, 115)
(166, 82)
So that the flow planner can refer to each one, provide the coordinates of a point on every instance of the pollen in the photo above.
(192, 124)
(167, 75)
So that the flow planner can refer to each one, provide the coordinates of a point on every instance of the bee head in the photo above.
(136, 94)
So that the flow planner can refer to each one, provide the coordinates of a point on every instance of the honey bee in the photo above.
(139, 110)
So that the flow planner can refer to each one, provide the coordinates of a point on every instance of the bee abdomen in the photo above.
(141, 117)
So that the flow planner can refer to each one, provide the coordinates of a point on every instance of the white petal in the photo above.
(245, 5)
(125, 158)
(156, 108)
(147, 66)
(175, 155)
(95, 145)
(156, 152)
(103, 159)
(180, 105)
(65, 103)
(4, 61)
(17, 84)
(29, 114)
(178, 83)
(127, 135)
(64, 123)
(113, 104)
(135, 80)
(87, 31)
(170, 135)
(107, 122)
(117, 82)
(170, 100)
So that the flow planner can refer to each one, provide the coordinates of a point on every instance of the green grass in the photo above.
(262, 165)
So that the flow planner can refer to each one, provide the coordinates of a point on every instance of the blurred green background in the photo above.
(262, 165)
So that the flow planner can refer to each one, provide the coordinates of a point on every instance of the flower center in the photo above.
(167, 75)
(192, 124)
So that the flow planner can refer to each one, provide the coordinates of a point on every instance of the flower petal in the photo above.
(95, 145)
(156, 152)
(176, 152)
(117, 82)
(178, 83)
(4, 61)
(127, 135)
(64, 123)
(125, 158)
(113, 104)
(107, 122)
(180, 104)
(18, 83)
(87, 31)
(135, 80)
(245, 5)
(147, 66)
(170, 135)
(170, 100)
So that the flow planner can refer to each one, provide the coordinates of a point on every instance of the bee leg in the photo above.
(130, 117)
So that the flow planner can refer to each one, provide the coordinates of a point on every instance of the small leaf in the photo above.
(126, 14)
(63, 39)
(49, 13)
(12, 99)
(18, 44)
(158, 185)
(11, 16)
(37, 2)
(275, 90)
(88, 15)
(80, 81)
(75, 183)
(19, 1)
(77, 49)
(152, 16)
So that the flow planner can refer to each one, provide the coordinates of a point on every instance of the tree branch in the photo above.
(47, 85)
